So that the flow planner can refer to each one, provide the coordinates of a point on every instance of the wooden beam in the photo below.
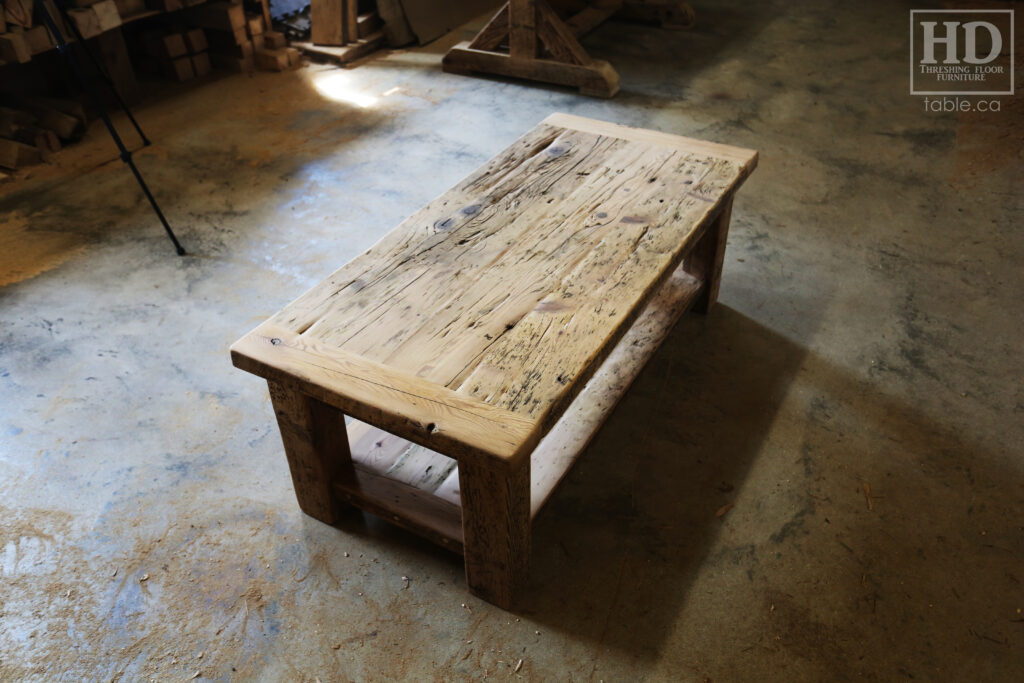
(345, 53)
(430, 415)
(16, 154)
(494, 33)
(351, 11)
(558, 39)
(265, 9)
(529, 25)
(597, 78)
(315, 442)
(412, 509)
(495, 497)
(326, 20)
(523, 29)
(706, 259)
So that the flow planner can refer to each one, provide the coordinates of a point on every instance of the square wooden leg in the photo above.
(495, 528)
(704, 262)
(316, 444)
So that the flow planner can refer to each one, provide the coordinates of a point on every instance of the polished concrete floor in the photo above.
(856, 397)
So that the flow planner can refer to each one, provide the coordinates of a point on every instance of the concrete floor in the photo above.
(855, 398)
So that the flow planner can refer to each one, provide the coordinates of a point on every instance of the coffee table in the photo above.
(478, 347)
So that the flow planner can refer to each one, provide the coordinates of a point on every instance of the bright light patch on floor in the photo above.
(338, 86)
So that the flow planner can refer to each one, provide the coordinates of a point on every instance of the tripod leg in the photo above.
(126, 156)
(100, 69)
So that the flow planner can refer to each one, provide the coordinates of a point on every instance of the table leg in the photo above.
(495, 527)
(705, 260)
(316, 444)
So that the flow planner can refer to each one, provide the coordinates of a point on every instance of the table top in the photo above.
(471, 326)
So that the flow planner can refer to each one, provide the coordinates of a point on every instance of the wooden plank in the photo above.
(274, 39)
(271, 60)
(706, 259)
(495, 528)
(374, 449)
(379, 453)
(254, 25)
(86, 21)
(327, 20)
(130, 8)
(406, 506)
(315, 442)
(38, 39)
(597, 79)
(351, 23)
(558, 39)
(18, 13)
(195, 40)
(522, 29)
(14, 48)
(107, 15)
(44, 140)
(417, 409)
(494, 33)
(745, 159)
(15, 154)
(267, 20)
(342, 55)
(66, 127)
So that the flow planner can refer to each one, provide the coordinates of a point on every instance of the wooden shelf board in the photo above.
(418, 489)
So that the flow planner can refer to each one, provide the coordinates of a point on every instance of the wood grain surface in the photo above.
(495, 303)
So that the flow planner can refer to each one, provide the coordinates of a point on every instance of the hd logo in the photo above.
(961, 52)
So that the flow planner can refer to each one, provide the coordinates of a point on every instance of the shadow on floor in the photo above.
(637, 516)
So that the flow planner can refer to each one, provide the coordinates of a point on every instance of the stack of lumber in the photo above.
(339, 33)
(33, 128)
(180, 55)
(240, 41)
(226, 33)
(20, 37)
(95, 17)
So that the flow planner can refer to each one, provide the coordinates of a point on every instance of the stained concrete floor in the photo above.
(855, 398)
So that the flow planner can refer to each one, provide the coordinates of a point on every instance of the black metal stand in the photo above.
(69, 57)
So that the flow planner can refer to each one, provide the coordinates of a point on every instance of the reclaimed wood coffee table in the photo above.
(480, 345)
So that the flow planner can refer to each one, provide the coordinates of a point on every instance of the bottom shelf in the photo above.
(418, 489)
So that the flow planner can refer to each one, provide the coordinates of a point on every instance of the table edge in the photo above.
(746, 158)
(427, 413)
